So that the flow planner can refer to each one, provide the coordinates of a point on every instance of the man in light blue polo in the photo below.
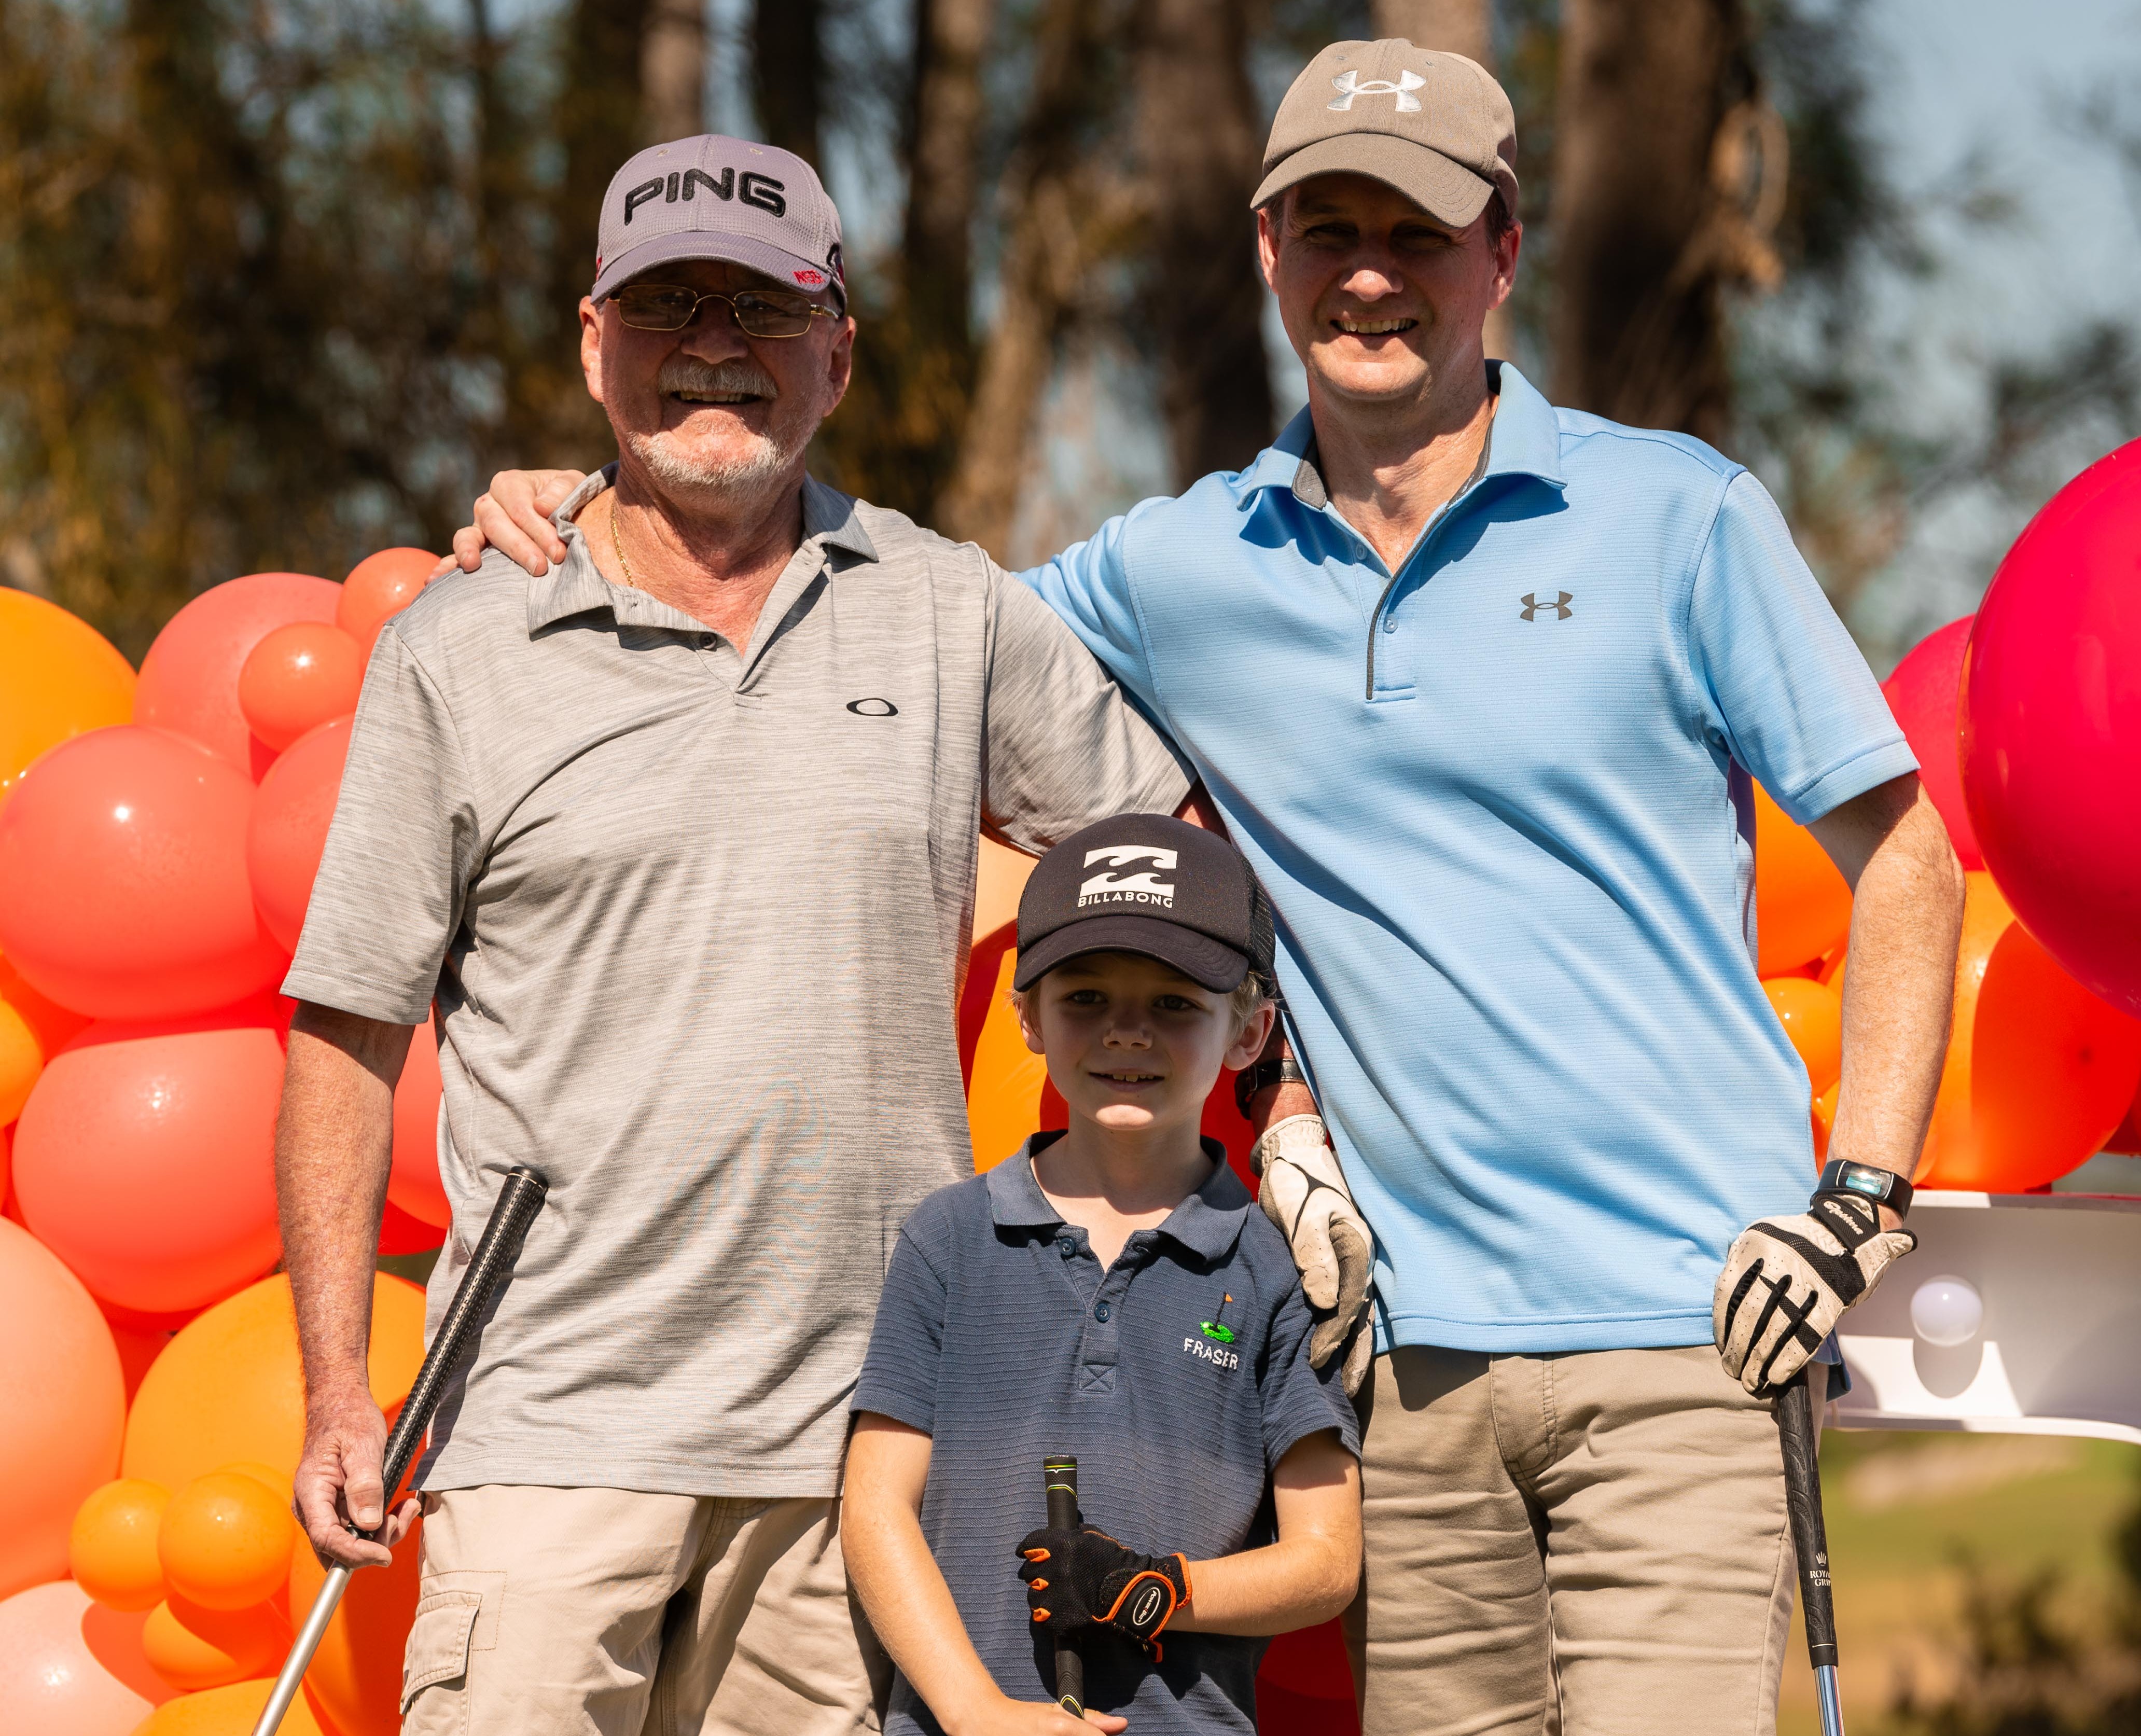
(1478, 684)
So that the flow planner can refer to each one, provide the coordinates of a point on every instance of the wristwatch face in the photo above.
(1873, 1183)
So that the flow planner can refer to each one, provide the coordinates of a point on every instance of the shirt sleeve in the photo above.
(1786, 687)
(1298, 1401)
(1065, 747)
(907, 1344)
(387, 899)
(1088, 587)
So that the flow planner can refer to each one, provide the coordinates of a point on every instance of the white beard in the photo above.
(769, 457)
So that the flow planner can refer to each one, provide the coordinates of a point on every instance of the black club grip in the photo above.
(1802, 1502)
(518, 1201)
(1060, 1478)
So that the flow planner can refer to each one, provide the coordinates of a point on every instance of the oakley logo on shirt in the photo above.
(1558, 602)
(873, 708)
(1349, 84)
(1144, 888)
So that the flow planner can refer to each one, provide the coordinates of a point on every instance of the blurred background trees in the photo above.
(285, 280)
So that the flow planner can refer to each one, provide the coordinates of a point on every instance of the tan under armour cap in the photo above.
(1435, 126)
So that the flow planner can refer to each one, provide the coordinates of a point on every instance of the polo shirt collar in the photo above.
(575, 585)
(1208, 1223)
(1525, 440)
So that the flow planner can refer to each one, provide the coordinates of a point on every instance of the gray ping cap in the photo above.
(717, 198)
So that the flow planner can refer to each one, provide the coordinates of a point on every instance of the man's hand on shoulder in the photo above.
(1304, 1193)
(513, 517)
(337, 1481)
(1788, 1281)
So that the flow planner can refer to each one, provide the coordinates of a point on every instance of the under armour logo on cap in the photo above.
(1350, 84)
(1558, 602)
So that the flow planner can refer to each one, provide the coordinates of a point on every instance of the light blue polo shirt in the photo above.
(1501, 803)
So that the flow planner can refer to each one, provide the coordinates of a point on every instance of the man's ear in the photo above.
(1267, 240)
(840, 364)
(591, 347)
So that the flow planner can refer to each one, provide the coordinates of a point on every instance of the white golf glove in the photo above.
(1788, 1281)
(1304, 1193)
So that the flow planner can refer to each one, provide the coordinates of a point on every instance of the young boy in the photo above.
(1111, 1292)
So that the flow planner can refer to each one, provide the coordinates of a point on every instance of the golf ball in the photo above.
(1947, 1311)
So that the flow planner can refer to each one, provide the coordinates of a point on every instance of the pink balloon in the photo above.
(288, 829)
(189, 678)
(413, 1183)
(1925, 694)
(63, 1412)
(123, 889)
(2051, 727)
(51, 1684)
(146, 1157)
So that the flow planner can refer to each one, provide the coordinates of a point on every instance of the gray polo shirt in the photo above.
(1178, 1375)
(695, 923)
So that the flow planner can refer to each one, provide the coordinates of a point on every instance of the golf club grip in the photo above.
(518, 1202)
(1802, 1502)
(1060, 1477)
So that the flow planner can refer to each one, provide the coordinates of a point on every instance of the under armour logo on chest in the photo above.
(1350, 84)
(1558, 602)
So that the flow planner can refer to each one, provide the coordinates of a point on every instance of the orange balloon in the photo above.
(231, 1711)
(112, 1550)
(59, 676)
(297, 677)
(225, 1541)
(413, 1183)
(380, 586)
(1825, 1121)
(1813, 1018)
(63, 1411)
(123, 891)
(1004, 1092)
(1802, 906)
(52, 1025)
(51, 1684)
(145, 1159)
(288, 829)
(229, 1388)
(355, 1675)
(21, 1061)
(2039, 1071)
(193, 1648)
(189, 678)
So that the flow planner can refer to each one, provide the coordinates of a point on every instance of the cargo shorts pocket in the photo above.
(438, 1652)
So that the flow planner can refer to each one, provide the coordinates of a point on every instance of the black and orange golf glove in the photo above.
(1075, 1579)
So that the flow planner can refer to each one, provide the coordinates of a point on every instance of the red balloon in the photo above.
(146, 1158)
(297, 678)
(2051, 727)
(190, 679)
(413, 1183)
(1925, 694)
(379, 588)
(289, 827)
(123, 891)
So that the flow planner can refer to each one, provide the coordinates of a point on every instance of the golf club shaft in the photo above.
(1060, 1477)
(518, 1202)
(1810, 1543)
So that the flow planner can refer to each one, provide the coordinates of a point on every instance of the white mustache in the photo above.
(738, 374)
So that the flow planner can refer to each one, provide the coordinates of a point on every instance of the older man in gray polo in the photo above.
(680, 838)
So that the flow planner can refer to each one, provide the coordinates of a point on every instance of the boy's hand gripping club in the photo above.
(1810, 1543)
(1060, 1477)
(518, 1202)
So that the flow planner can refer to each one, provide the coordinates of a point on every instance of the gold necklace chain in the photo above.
(617, 541)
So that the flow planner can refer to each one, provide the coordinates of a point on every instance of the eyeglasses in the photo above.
(759, 312)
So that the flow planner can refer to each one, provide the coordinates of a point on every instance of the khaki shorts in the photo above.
(601, 1612)
(1590, 1544)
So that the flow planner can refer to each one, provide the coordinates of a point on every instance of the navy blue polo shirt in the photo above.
(1001, 1338)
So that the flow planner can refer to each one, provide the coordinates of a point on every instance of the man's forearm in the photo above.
(334, 1144)
(1898, 991)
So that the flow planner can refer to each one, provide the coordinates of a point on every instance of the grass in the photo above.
(1905, 1511)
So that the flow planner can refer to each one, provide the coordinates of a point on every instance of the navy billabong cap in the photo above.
(1148, 884)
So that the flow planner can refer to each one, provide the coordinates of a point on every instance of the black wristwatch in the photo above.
(1285, 1070)
(1884, 1187)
